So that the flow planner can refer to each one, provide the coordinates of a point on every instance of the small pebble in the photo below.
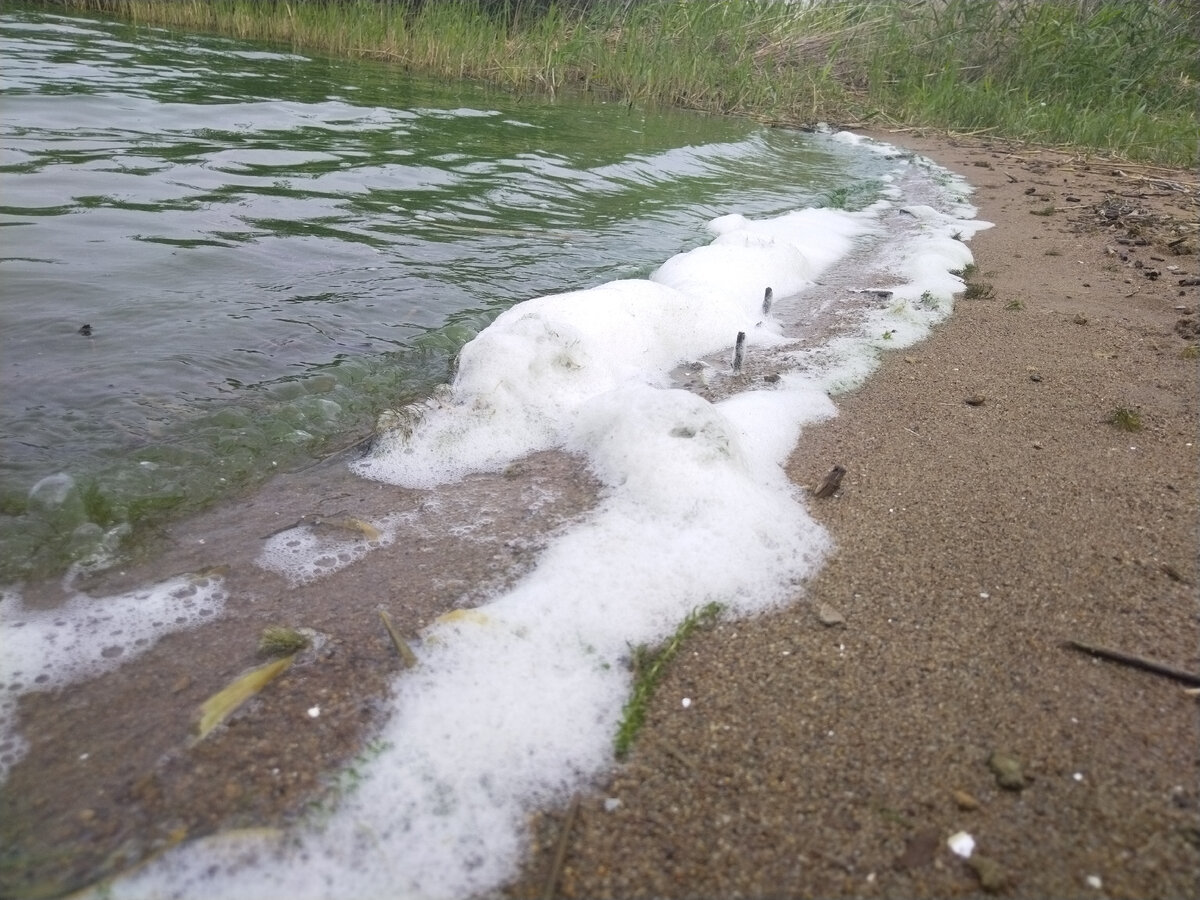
(1007, 769)
(965, 801)
(829, 616)
(992, 877)
(1093, 881)
(687, 701)
(314, 711)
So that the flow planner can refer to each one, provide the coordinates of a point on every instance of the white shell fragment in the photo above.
(962, 844)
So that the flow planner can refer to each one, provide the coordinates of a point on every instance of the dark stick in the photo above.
(1138, 662)
(560, 853)
(767, 302)
(739, 351)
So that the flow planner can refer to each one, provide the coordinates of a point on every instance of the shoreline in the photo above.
(790, 772)
(989, 513)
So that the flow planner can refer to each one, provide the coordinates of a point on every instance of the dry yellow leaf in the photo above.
(217, 708)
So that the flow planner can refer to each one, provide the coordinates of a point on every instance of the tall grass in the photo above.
(1114, 76)
(1118, 76)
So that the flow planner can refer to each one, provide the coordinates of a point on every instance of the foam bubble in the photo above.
(86, 636)
(307, 552)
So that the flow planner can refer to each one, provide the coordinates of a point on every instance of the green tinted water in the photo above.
(219, 260)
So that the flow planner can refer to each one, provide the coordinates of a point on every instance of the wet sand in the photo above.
(989, 513)
(814, 760)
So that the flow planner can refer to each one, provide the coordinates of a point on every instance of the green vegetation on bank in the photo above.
(649, 666)
(1105, 75)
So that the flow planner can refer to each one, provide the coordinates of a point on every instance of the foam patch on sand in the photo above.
(87, 636)
(308, 552)
(514, 706)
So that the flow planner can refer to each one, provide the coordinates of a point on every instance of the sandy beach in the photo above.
(989, 512)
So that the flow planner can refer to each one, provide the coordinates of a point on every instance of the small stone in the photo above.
(830, 484)
(182, 683)
(1007, 769)
(992, 877)
(829, 616)
(86, 816)
(965, 801)
(1080, 319)
(976, 400)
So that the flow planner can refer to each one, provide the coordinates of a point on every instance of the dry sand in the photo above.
(973, 539)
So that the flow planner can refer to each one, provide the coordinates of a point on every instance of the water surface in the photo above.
(221, 259)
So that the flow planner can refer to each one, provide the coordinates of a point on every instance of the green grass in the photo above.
(1125, 419)
(978, 290)
(281, 640)
(648, 669)
(1116, 77)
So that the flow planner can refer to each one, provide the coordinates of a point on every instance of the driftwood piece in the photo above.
(1138, 662)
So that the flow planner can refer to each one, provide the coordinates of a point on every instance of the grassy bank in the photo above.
(1116, 77)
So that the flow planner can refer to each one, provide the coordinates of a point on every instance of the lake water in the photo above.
(589, 337)
(267, 249)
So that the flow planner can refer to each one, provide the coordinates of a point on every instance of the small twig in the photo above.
(1138, 662)
(560, 852)
(677, 754)
(407, 657)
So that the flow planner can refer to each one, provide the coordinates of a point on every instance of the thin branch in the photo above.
(1138, 662)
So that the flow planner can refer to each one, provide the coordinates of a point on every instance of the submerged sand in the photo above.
(988, 513)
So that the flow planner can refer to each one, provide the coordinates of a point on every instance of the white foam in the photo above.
(516, 705)
(521, 382)
(86, 636)
(305, 553)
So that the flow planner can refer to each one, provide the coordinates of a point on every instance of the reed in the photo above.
(1103, 75)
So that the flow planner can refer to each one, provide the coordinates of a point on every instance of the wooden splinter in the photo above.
(1138, 662)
